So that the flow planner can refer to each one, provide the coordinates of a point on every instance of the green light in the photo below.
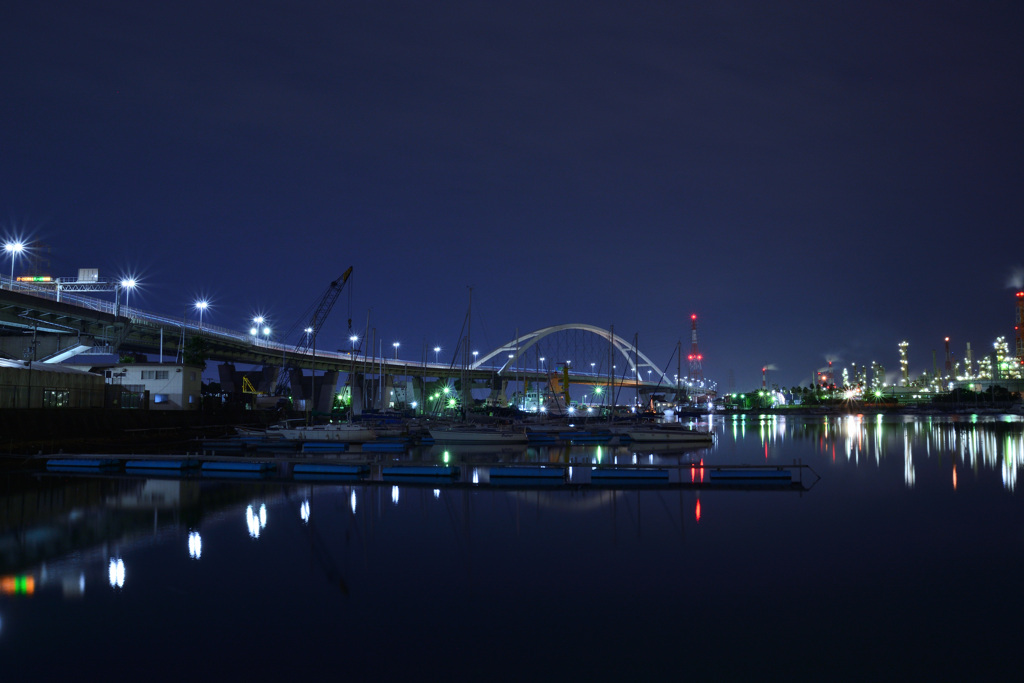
(451, 403)
(598, 390)
(447, 457)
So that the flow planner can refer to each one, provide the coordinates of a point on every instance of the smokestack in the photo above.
(949, 364)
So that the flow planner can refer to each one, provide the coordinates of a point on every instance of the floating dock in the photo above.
(83, 464)
(368, 468)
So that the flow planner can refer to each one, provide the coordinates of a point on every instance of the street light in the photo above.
(14, 249)
(257, 323)
(437, 350)
(201, 306)
(592, 368)
(353, 339)
(128, 284)
(396, 344)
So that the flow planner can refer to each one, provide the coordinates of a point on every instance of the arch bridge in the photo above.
(517, 354)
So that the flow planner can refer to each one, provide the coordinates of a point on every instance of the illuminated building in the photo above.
(904, 365)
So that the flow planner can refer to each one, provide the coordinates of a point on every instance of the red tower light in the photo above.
(696, 371)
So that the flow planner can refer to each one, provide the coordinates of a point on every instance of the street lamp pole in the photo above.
(201, 306)
(128, 284)
(14, 249)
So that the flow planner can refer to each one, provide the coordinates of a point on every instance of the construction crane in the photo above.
(316, 315)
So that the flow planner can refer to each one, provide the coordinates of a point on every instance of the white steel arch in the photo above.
(516, 348)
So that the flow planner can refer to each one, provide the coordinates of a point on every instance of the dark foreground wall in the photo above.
(98, 430)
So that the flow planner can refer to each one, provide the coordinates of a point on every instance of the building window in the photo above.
(56, 398)
(159, 398)
(154, 374)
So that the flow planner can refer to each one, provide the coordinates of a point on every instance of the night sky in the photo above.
(813, 180)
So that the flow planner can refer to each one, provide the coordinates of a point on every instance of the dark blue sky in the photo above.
(813, 180)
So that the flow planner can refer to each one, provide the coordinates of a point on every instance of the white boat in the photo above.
(271, 432)
(477, 434)
(668, 433)
(345, 432)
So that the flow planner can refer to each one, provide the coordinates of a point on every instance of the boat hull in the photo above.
(478, 436)
(341, 433)
(669, 436)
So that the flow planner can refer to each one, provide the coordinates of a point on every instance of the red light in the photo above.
(694, 316)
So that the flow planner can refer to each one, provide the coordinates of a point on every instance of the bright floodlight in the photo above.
(253, 331)
(266, 331)
(258, 320)
(13, 248)
(202, 304)
(128, 283)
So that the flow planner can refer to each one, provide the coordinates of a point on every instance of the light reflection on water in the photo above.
(590, 560)
(994, 443)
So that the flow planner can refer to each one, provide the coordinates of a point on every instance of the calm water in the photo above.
(904, 561)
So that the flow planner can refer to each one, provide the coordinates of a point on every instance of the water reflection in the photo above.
(116, 572)
(60, 530)
(994, 443)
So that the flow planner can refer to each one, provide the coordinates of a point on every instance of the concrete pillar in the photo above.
(357, 381)
(326, 387)
(418, 386)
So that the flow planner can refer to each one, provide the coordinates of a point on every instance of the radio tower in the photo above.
(1019, 327)
(696, 372)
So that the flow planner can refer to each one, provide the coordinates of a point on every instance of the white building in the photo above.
(169, 386)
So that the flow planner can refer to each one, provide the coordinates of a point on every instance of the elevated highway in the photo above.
(35, 325)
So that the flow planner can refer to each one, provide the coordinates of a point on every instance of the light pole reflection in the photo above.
(195, 545)
(255, 521)
(116, 572)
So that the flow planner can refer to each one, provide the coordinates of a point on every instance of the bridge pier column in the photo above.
(326, 387)
(356, 381)
(499, 392)
(418, 386)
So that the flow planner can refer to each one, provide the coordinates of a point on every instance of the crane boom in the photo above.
(321, 309)
(317, 314)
